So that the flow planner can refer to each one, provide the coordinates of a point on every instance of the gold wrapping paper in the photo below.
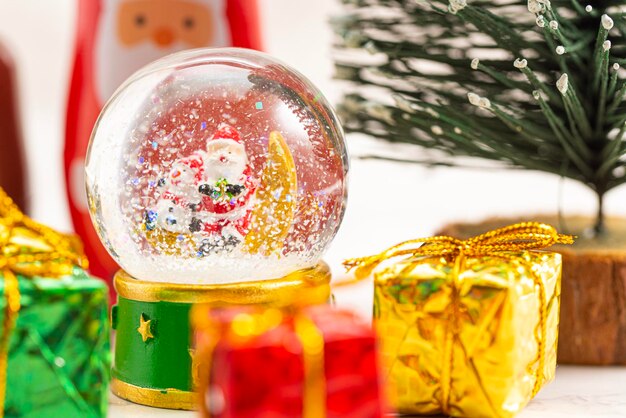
(466, 347)
(468, 328)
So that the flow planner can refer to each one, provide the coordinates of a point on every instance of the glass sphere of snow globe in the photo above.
(216, 166)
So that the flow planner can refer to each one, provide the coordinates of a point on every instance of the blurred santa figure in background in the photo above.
(114, 39)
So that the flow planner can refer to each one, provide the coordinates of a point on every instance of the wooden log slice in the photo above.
(593, 296)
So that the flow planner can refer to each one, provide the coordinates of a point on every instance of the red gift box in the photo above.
(316, 362)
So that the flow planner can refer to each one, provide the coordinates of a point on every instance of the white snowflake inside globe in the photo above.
(216, 166)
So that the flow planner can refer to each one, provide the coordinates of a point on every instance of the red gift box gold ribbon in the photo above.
(29, 249)
(501, 244)
(253, 324)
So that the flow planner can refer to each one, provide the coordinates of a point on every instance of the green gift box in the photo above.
(58, 356)
(54, 338)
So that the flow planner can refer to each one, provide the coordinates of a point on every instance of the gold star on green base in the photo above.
(144, 329)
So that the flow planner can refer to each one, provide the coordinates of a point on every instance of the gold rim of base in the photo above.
(158, 398)
(305, 286)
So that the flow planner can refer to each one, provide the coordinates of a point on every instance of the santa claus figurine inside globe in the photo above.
(209, 193)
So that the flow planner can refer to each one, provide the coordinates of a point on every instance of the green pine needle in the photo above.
(535, 84)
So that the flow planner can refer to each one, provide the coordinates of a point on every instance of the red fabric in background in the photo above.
(83, 109)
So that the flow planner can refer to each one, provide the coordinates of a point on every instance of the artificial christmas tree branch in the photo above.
(534, 84)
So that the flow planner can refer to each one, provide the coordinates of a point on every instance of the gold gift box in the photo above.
(468, 336)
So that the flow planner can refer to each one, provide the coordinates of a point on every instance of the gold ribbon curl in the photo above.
(498, 243)
(29, 249)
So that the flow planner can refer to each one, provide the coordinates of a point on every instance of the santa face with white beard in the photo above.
(225, 159)
(133, 33)
(226, 171)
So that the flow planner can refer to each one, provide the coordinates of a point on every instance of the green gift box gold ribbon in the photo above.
(39, 265)
(468, 328)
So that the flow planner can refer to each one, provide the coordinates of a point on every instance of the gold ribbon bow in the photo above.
(514, 238)
(497, 243)
(29, 249)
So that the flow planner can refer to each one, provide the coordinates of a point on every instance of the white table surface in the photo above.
(576, 392)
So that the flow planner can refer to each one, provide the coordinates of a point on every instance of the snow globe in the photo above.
(213, 176)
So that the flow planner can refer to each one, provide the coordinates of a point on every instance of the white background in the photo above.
(388, 202)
